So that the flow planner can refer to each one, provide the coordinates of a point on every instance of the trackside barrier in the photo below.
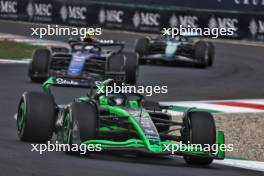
(246, 17)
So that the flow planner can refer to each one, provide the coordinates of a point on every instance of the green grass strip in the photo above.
(16, 50)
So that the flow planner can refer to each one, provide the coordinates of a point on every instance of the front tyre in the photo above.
(80, 123)
(201, 54)
(39, 67)
(201, 130)
(142, 48)
(36, 117)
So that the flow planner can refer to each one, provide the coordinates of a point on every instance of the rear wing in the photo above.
(67, 82)
(105, 43)
(99, 43)
(110, 42)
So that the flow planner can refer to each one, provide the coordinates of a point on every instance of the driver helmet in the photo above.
(117, 99)
(89, 38)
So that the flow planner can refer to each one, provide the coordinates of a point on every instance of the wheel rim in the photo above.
(75, 133)
(67, 129)
(206, 57)
(21, 117)
(137, 72)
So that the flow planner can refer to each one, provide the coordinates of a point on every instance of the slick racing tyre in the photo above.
(36, 117)
(79, 124)
(201, 53)
(211, 54)
(201, 130)
(131, 68)
(142, 47)
(115, 65)
(39, 67)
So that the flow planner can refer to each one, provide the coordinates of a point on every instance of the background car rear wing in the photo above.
(67, 82)
(99, 43)
(105, 43)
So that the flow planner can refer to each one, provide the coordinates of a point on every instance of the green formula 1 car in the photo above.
(124, 122)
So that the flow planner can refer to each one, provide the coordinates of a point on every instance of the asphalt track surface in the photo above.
(238, 73)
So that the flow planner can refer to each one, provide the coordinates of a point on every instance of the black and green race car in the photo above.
(124, 122)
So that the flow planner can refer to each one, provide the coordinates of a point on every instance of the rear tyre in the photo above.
(211, 54)
(116, 64)
(202, 54)
(80, 123)
(36, 117)
(201, 130)
(38, 68)
(142, 47)
(131, 68)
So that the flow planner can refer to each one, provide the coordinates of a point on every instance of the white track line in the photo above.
(13, 61)
(15, 116)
